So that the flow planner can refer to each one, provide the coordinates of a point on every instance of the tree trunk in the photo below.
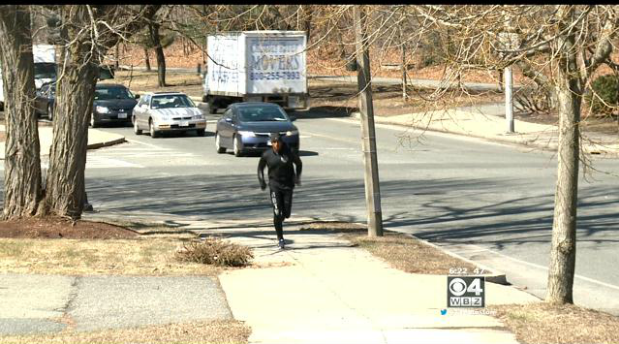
(154, 36)
(563, 250)
(116, 63)
(307, 14)
(500, 76)
(65, 177)
(78, 72)
(147, 60)
(404, 76)
(22, 175)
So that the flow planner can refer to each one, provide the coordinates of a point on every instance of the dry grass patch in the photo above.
(156, 229)
(402, 251)
(215, 251)
(143, 256)
(221, 331)
(388, 98)
(545, 323)
(142, 81)
(408, 254)
(334, 227)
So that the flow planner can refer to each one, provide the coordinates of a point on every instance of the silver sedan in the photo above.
(167, 111)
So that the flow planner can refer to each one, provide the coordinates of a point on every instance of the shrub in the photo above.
(215, 251)
(606, 88)
(428, 61)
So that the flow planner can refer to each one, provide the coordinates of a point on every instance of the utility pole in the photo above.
(404, 81)
(509, 100)
(368, 132)
(508, 83)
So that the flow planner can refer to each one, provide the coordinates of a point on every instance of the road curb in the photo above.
(96, 145)
(107, 143)
(528, 144)
(496, 277)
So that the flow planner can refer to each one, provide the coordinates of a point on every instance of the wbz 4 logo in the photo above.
(465, 291)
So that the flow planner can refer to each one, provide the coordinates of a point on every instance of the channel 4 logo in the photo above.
(466, 292)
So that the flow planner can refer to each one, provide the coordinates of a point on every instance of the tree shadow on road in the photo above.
(466, 210)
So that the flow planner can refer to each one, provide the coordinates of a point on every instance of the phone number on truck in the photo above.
(275, 76)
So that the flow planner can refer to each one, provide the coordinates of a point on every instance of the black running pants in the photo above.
(282, 205)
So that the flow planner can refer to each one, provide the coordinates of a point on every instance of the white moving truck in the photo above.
(266, 66)
(44, 67)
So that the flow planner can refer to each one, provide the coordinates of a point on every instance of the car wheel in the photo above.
(93, 123)
(211, 106)
(201, 132)
(136, 129)
(218, 146)
(50, 112)
(238, 146)
(151, 128)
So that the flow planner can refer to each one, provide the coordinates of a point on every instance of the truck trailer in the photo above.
(44, 56)
(264, 66)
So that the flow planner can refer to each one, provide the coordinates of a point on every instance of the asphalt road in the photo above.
(454, 191)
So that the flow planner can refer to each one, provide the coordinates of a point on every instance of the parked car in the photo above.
(167, 112)
(44, 100)
(113, 103)
(247, 127)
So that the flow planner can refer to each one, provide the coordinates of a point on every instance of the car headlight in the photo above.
(198, 117)
(292, 132)
(102, 109)
(247, 133)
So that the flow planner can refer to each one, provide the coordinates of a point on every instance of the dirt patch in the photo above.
(221, 331)
(545, 323)
(59, 228)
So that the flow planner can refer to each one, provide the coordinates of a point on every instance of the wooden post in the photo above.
(368, 132)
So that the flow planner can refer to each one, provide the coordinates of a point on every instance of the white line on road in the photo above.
(545, 268)
(103, 162)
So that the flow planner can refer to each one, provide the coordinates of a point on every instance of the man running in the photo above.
(282, 179)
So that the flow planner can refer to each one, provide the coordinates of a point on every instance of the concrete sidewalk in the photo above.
(38, 304)
(321, 289)
(488, 122)
(96, 139)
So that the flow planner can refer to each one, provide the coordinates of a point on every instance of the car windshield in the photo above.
(112, 93)
(171, 101)
(48, 87)
(45, 71)
(261, 114)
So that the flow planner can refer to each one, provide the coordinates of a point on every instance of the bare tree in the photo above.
(88, 32)
(154, 38)
(560, 48)
(22, 175)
